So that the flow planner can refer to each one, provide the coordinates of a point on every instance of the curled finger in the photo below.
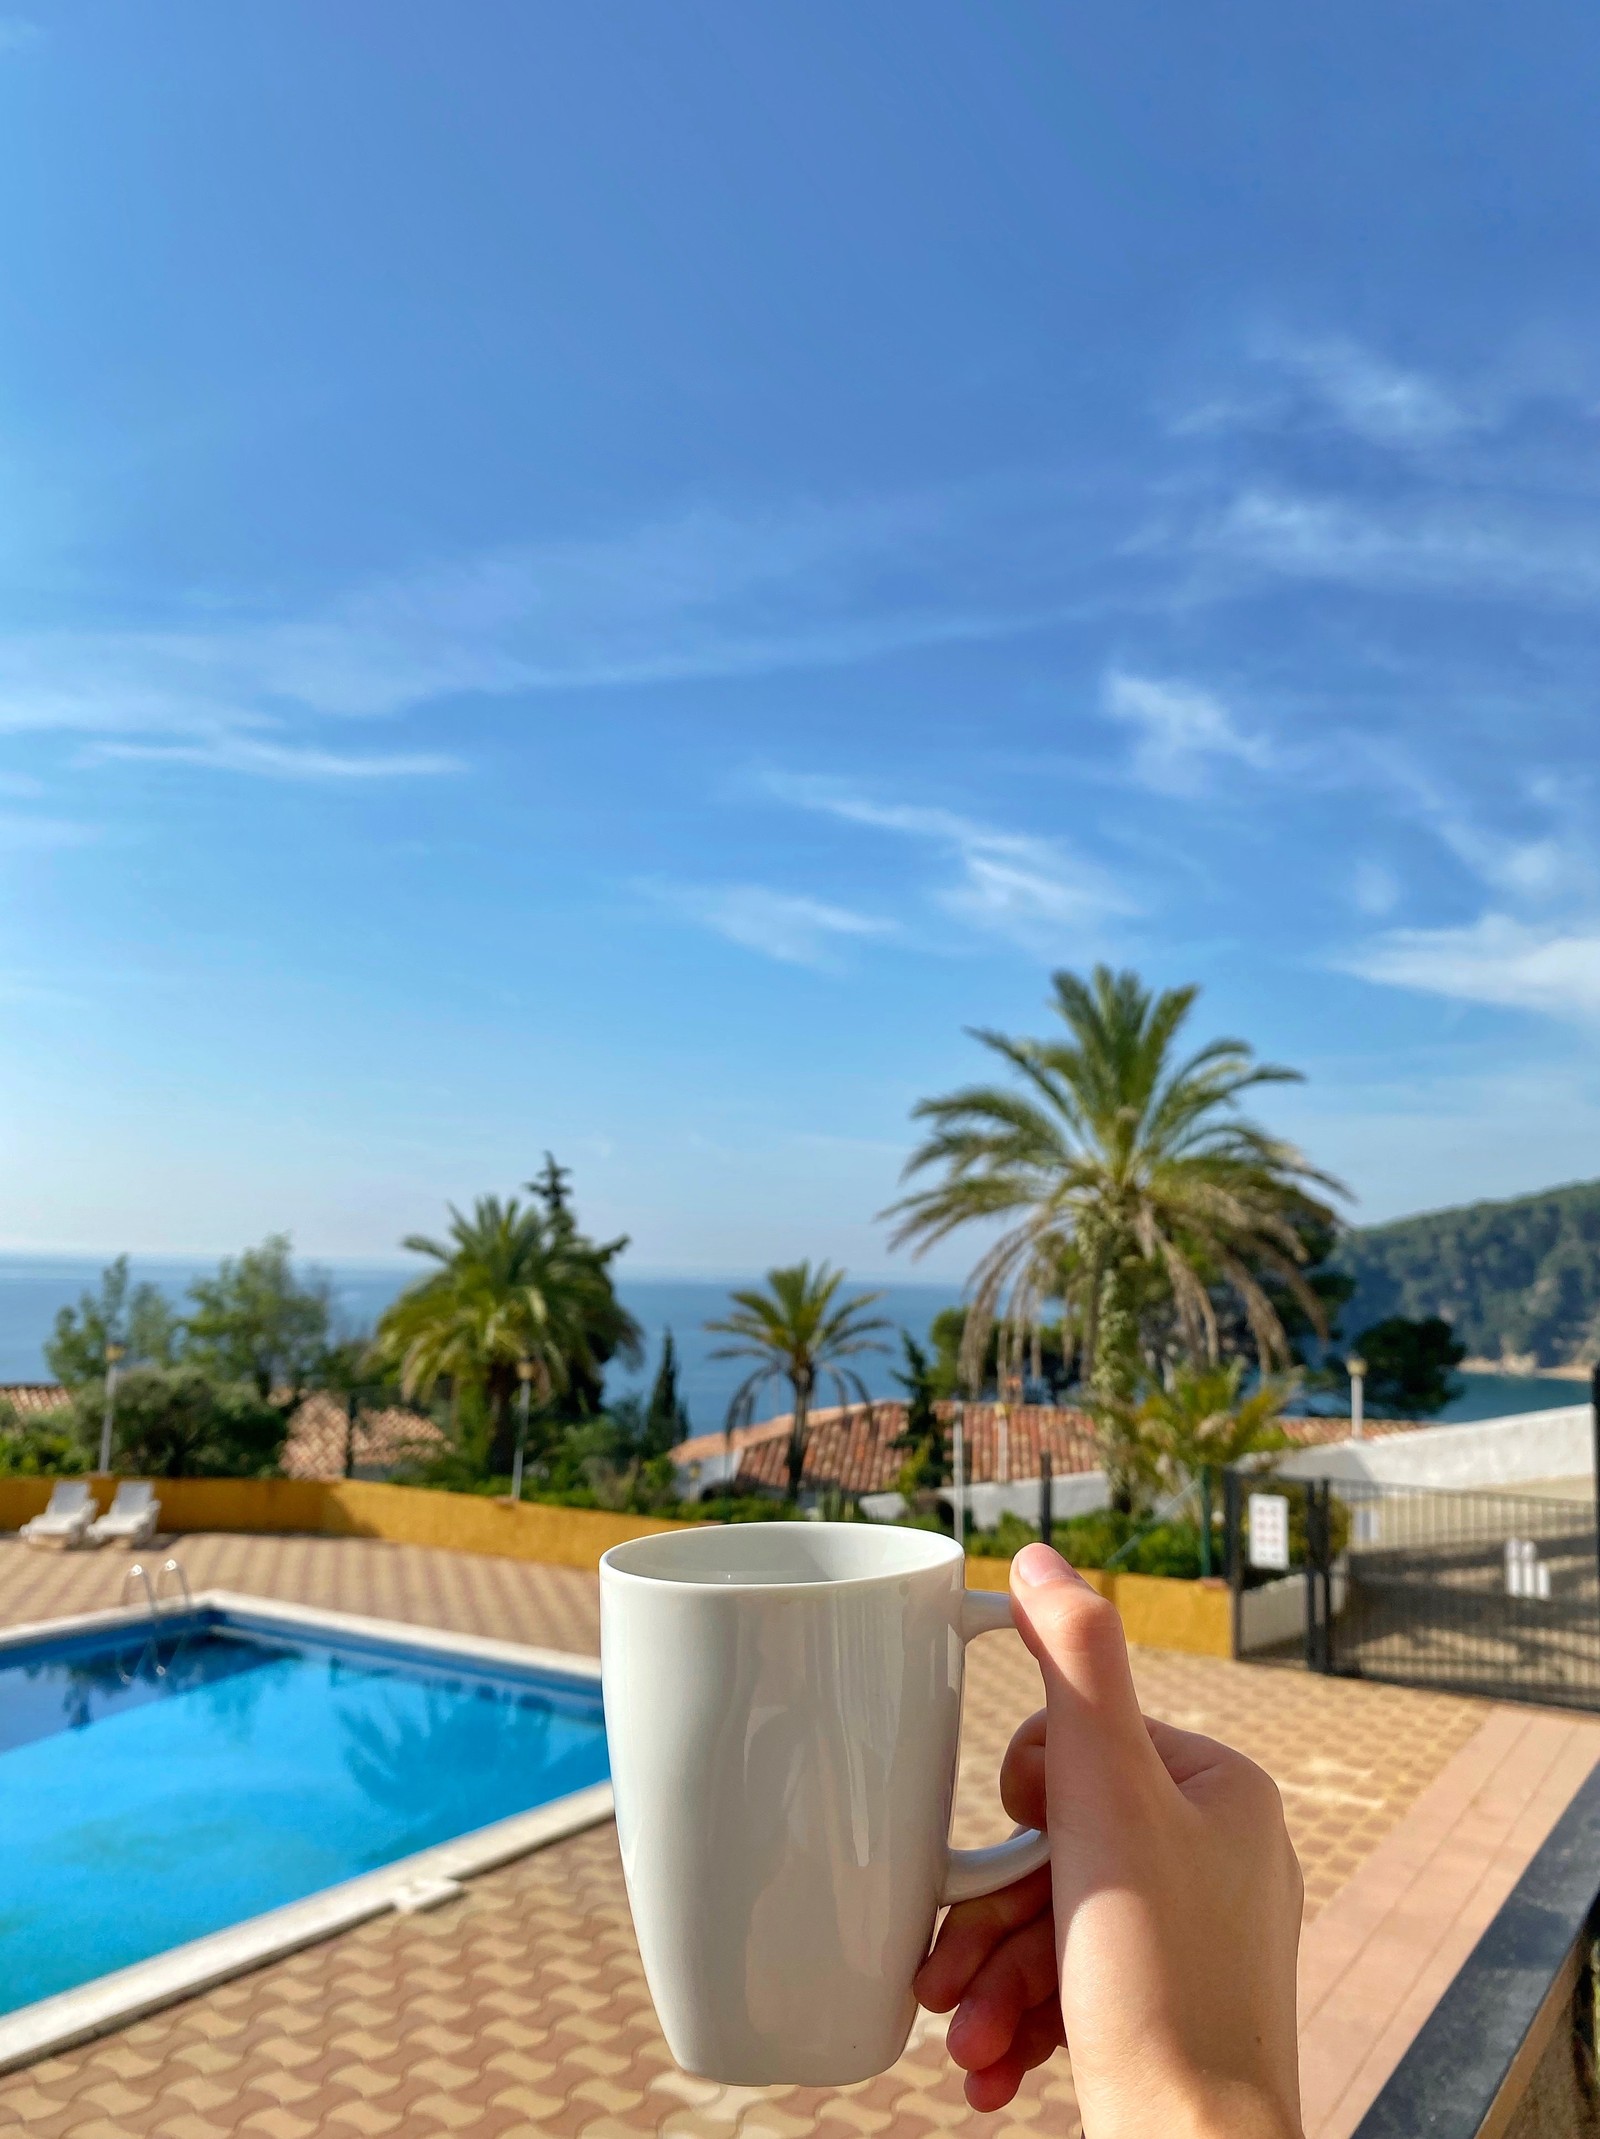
(1037, 2039)
(971, 1933)
(1018, 1976)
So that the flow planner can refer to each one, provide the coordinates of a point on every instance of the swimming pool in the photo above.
(160, 1782)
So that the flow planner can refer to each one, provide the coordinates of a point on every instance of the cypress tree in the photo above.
(666, 1420)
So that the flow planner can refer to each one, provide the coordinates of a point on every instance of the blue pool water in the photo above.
(150, 1793)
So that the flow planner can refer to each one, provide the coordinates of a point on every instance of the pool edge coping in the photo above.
(113, 2001)
(311, 1618)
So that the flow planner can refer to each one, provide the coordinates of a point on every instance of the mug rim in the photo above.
(932, 1551)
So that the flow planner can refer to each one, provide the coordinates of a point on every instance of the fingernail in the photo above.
(1037, 1565)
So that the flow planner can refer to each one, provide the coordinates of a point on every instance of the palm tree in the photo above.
(1199, 1420)
(513, 1285)
(795, 1332)
(1123, 1177)
(1200, 1423)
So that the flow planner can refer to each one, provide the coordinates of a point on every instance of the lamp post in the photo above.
(524, 1399)
(114, 1354)
(958, 1475)
(1357, 1370)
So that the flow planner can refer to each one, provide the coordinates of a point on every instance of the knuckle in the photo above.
(1250, 1788)
(1028, 1737)
(1088, 1621)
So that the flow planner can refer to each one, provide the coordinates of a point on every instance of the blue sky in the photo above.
(611, 577)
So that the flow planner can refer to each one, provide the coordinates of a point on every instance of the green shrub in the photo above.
(752, 1508)
(1095, 1540)
(1171, 1548)
(1007, 1538)
(176, 1422)
(601, 1462)
(47, 1445)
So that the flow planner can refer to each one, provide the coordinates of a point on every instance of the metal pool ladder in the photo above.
(172, 1567)
(138, 1572)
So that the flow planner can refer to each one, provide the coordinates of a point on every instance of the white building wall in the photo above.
(1079, 1493)
(1529, 1445)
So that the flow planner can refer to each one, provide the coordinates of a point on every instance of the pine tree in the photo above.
(550, 1186)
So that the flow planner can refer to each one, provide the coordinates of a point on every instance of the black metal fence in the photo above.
(1481, 1592)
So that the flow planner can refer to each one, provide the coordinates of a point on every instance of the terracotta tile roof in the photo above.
(384, 1438)
(32, 1399)
(853, 1449)
(1317, 1433)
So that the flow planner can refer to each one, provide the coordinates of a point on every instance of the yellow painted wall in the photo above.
(21, 1499)
(405, 1514)
(1164, 1614)
(1159, 1612)
(466, 1522)
(247, 1504)
(1156, 1611)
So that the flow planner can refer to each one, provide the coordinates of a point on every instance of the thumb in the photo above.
(1093, 1724)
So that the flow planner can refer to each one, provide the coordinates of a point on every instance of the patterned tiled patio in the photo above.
(520, 2009)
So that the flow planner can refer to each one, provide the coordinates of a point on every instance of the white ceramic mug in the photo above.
(783, 1704)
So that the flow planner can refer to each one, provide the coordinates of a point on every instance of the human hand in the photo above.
(1177, 1894)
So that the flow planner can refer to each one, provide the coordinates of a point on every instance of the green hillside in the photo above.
(1518, 1277)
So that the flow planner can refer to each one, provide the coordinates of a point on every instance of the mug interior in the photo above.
(762, 1555)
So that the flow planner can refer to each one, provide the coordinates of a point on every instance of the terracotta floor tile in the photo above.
(521, 2009)
(363, 2117)
(1376, 1963)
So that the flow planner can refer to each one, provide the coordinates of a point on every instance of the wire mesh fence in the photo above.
(1484, 1592)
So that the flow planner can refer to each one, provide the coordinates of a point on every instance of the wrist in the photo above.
(1194, 2111)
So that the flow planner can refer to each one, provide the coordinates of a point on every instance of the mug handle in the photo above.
(973, 1872)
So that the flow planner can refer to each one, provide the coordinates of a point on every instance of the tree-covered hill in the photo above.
(1521, 1277)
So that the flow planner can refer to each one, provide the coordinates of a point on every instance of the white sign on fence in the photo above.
(1526, 1574)
(1269, 1530)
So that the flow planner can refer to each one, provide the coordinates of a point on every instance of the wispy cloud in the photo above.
(280, 761)
(1179, 729)
(1496, 960)
(1534, 869)
(1011, 884)
(790, 927)
(1450, 546)
(1536, 944)
(699, 594)
(1365, 394)
(1333, 383)
(18, 34)
(1554, 862)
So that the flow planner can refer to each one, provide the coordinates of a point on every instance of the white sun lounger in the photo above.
(67, 1519)
(132, 1517)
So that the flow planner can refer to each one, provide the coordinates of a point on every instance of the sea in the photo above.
(34, 1288)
